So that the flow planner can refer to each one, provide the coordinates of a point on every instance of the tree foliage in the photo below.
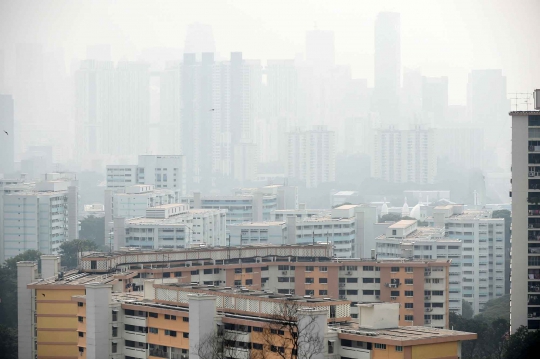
(390, 217)
(8, 342)
(466, 309)
(70, 251)
(523, 344)
(93, 229)
(497, 308)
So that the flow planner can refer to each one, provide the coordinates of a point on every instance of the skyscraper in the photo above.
(320, 50)
(435, 99)
(199, 39)
(487, 105)
(7, 132)
(525, 259)
(387, 66)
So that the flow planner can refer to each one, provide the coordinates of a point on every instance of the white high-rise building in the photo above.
(112, 108)
(41, 217)
(405, 156)
(405, 239)
(133, 201)
(312, 156)
(246, 161)
(484, 252)
(157, 170)
(172, 226)
(525, 259)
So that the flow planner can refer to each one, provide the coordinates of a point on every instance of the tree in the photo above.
(390, 217)
(93, 228)
(8, 342)
(497, 308)
(293, 333)
(8, 287)
(70, 251)
(222, 344)
(466, 309)
(523, 344)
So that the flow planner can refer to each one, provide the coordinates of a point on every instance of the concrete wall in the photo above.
(98, 297)
(26, 273)
(202, 310)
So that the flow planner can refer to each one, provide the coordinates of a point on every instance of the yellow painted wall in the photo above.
(56, 336)
(57, 322)
(58, 294)
(434, 351)
(389, 353)
(56, 308)
(58, 350)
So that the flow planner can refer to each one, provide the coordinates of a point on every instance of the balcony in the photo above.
(355, 353)
(135, 320)
(135, 352)
(135, 336)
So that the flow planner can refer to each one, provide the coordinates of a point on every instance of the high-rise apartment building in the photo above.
(40, 217)
(172, 226)
(312, 156)
(525, 258)
(320, 50)
(405, 156)
(404, 239)
(484, 251)
(112, 108)
(387, 67)
(133, 201)
(487, 105)
(435, 99)
(160, 171)
(7, 130)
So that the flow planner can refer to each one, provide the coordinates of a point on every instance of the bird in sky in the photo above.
(212, 109)
(6, 132)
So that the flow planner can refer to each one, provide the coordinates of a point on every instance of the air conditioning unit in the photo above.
(284, 272)
(377, 297)
(429, 309)
(427, 297)
(393, 298)
(342, 284)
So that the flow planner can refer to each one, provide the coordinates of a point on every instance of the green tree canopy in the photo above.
(93, 229)
(8, 342)
(390, 217)
(466, 309)
(523, 344)
(70, 251)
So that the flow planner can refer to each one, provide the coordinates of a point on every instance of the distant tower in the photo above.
(387, 66)
(405, 210)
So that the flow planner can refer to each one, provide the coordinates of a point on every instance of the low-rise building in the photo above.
(110, 316)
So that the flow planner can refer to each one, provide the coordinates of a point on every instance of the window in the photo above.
(171, 333)
(238, 270)
(394, 269)
(153, 315)
(409, 281)
(408, 270)
(185, 335)
(380, 346)
(81, 334)
(399, 348)
(153, 330)
(323, 292)
(185, 319)
(437, 317)
(409, 305)
(195, 272)
(352, 292)
(436, 292)
(257, 346)
(352, 280)
(80, 319)
(323, 269)
(368, 280)
(114, 347)
(170, 317)
(367, 292)
(257, 329)
(81, 350)
(249, 270)
(323, 280)
(409, 293)
(309, 281)
(177, 274)
(309, 269)
(368, 268)
(208, 271)
(114, 332)
(80, 304)
(409, 318)
(249, 281)
(310, 292)
(238, 282)
(394, 293)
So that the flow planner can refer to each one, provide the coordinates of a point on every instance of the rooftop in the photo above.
(403, 223)
(257, 224)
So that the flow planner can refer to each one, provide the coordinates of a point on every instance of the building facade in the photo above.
(525, 259)
(311, 156)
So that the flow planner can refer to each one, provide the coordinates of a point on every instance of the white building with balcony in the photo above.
(484, 252)
(405, 239)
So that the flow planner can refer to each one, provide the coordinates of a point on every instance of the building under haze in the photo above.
(112, 106)
(311, 156)
(404, 156)
(525, 259)
(7, 130)
(387, 67)
(41, 216)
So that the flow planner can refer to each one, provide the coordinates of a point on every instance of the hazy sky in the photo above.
(441, 37)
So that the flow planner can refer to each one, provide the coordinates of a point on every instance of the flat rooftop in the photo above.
(403, 223)
(257, 224)
(403, 334)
